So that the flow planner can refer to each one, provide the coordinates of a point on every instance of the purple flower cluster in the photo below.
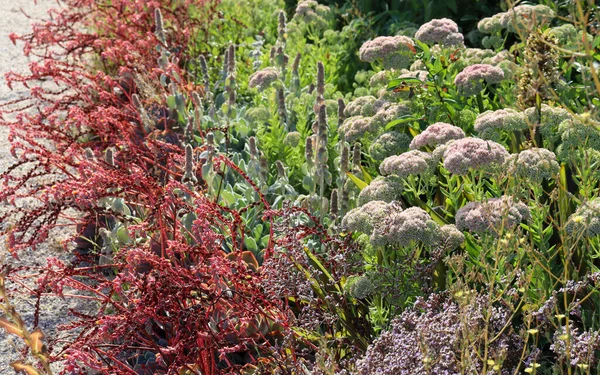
(312, 13)
(580, 348)
(429, 339)
(473, 153)
(385, 189)
(586, 219)
(491, 216)
(469, 81)
(388, 144)
(489, 123)
(521, 16)
(535, 164)
(436, 134)
(263, 78)
(413, 162)
(400, 228)
(443, 31)
(395, 52)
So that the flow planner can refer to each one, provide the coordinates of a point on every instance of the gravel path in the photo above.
(53, 310)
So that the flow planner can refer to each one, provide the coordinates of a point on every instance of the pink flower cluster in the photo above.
(443, 31)
(395, 52)
(469, 81)
(473, 153)
(437, 134)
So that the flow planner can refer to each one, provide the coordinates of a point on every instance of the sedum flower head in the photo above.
(535, 164)
(473, 153)
(548, 120)
(489, 123)
(395, 52)
(363, 106)
(312, 13)
(388, 144)
(469, 81)
(442, 31)
(491, 25)
(386, 189)
(565, 34)
(258, 114)
(450, 237)
(292, 139)
(413, 162)
(575, 135)
(355, 127)
(263, 78)
(364, 218)
(436, 134)
(388, 112)
(526, 16)
(361, 287)
(586, 219)
(491, 216)
(401, 227)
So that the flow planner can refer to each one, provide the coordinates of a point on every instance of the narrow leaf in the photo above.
(357, 181)
(11, 328)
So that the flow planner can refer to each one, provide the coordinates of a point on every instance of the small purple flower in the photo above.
(437, 134)
(469, 81)
(443, 31)
(413, 162)
(579, 348)
(473, 153)
(491, 216)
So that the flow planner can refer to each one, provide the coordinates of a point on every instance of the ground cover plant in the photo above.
(246, 207)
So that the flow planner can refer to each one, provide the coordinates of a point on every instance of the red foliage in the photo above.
(176, 295)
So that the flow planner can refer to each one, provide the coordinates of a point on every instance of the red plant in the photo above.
(178, 297)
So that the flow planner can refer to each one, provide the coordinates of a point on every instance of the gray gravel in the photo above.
(53, 311)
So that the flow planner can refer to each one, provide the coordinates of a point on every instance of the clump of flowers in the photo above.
(548, 119)
(436, 134)
(263, 78)
(586, 219)
(313, 14)
(364, 218)
(526, 16)
(579, 348)
(576, 135)
(258, 114)
(474, 153)
(489, 123)
(388, 112)
(394, 52)
(355, 127)
(492, 215)
(535, 164)
(384, 189)
(469, 81)
(292, 139)
(443, 31)
(428, 339)
(564, 34)
(388, 144)
(363, 106)
(401, 227)
(540, 69)
(491, 25)
(360, 287)
(450, 237)
(412, 162)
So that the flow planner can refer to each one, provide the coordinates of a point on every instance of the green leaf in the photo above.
(359, 183)
(408, 81)
(366, 175)
(401, 120)
(250, 243)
